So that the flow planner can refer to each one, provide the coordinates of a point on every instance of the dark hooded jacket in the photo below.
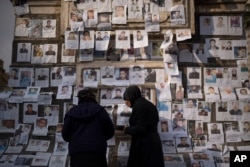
(146, 148)
(87, 127)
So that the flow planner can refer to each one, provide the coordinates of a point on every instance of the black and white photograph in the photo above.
(49, 28)
(87, 39)
(102, 40)
(23, 52)
(119, 14)
(71, 40)
(135, 9)
(68, 55)
(42, 77)
(50, 53)
(90, 18)
(140, 38)
(91, 77)
(177, 15)
(199, 53)
(30, 112)
(69, 75)
(56, 76)
(212, 93)
(64, 92)
(212, 47)
(107, 75)
(122, 39)
(215, 131)
(183, 144)
(22, 27)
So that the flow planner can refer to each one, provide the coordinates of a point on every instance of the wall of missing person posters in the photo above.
(193, 66)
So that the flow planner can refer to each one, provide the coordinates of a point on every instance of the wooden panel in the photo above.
(220, 1)
(205, 8)
(45, 10)
(44, 2)
(64, 16)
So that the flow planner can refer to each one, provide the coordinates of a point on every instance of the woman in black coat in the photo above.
(146, 148)
(87, 127)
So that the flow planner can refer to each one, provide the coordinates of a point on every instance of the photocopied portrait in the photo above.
(140, 38)
(64, 92)
(104, 6)
(122, 39)
(22, 27)
(26, 77)
(41, 127)
(177, 14)
(137, 74)
(206, 25)
(42, 74)
(71, 40)
(30, 112)
(91, 77)
(119, 14)
(49, 28)
(90, 17)
(24, 52)
(35, 30)
(50, 49)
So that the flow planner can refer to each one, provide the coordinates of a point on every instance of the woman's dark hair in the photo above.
(86, 95)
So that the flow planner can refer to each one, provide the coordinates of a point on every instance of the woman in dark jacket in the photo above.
(87, 127)
(146, 148)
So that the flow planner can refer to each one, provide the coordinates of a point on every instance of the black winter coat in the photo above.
(87, 127)
(146, 148)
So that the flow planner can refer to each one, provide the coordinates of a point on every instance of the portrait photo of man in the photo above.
(213, 45)
(194, 74)
(107, 73)
(49, 26)
(50, 51)
(214, 129)
(30, 110)
(193, 88)
(211, 91)
(14, 74)
(240, 52)
(42, 76)
(119, 11)
(65, 90)
(176, 15)
(220, 22)
(118, 94)
(139, 36)
(235, 109)
(99, 36)
(122, 36)
(164, 126)
(23, 49)
(57, 75)
(123, 74)
(183, 142)
(227, 46)
(136, 72)
(107, 94)
(179, 125)
(69, 71)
